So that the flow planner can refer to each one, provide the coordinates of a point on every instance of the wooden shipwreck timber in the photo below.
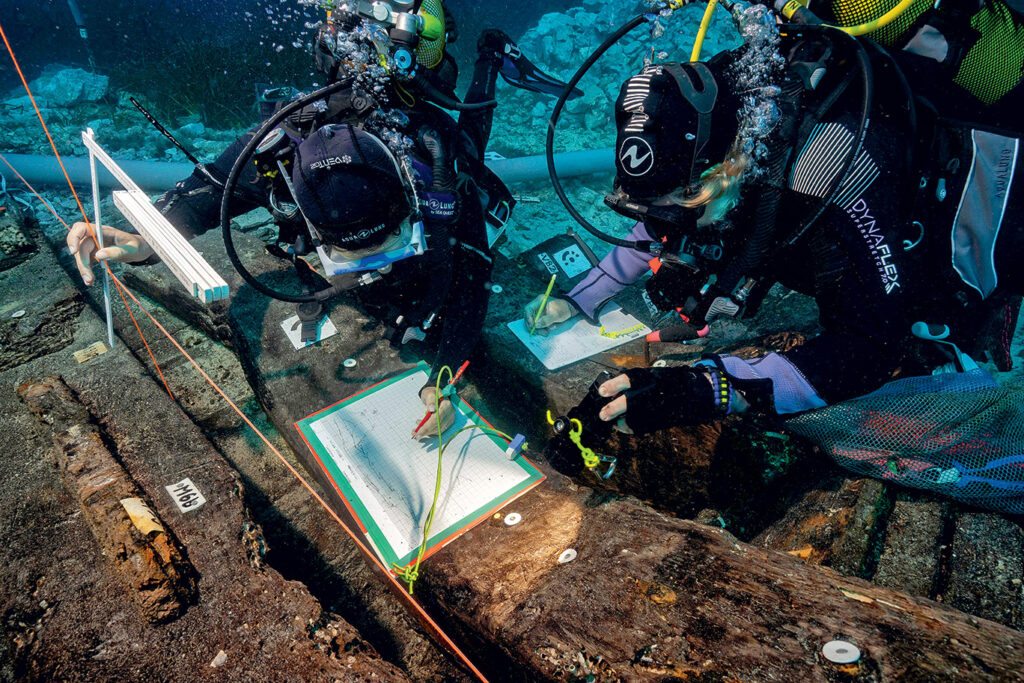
(658, 590)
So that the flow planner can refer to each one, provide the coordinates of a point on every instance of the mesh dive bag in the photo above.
(958, 435)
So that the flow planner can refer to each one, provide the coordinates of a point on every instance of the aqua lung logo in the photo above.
(860, 213)
(636, 156)
(329, 162)
(361, 235)
(439, 208)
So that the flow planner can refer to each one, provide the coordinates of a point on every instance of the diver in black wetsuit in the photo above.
(351, 193)
(938, 244)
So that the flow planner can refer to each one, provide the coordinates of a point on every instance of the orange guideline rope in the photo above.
(107, 266)
(417, 608)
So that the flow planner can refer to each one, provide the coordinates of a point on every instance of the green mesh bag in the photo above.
(958, 435)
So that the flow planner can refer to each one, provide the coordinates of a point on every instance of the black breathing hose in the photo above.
(229, 187)
(646, 246)
(434, 95)
(867, 101)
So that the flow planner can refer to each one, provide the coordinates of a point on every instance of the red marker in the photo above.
(455, 378)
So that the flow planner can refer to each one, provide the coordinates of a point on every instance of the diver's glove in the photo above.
(648, 400)
(555, 311)
(446, 411)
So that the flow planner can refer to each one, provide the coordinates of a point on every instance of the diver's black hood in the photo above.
(674, 121)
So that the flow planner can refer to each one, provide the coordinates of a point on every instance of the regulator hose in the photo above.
(646, 246)
(229, 190)
(434, 95)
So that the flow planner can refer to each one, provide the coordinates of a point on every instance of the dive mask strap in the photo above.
(698, 87)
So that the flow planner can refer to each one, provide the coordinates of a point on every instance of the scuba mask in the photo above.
(335, 263)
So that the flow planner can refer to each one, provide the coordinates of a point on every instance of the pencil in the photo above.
(458, 374)
(543, 303)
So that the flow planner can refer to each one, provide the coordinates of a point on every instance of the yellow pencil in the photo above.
(543, 303)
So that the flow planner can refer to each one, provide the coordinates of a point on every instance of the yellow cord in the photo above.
(590, 459)
(619, 333)
(705, 23)
(411, 573)
(404, 95)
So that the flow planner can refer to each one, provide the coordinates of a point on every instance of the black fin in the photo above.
(516, 69)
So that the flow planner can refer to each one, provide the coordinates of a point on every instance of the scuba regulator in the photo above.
(410, 37)
(415, 30)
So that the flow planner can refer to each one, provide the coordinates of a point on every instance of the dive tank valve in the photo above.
(275, 146)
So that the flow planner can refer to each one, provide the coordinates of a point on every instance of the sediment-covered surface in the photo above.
(68, 611)
(650, 595)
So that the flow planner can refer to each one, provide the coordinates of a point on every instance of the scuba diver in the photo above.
(395, 202)
(738, 181)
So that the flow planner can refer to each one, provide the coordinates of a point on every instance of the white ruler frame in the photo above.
(184, 261)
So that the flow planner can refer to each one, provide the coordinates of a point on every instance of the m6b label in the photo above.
(186, 496)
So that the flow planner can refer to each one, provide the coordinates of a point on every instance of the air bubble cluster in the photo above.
(755, 75)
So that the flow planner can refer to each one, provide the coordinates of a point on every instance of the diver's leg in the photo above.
(476, 125)
(516, 69)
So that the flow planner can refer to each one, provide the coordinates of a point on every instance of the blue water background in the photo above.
(198, 64)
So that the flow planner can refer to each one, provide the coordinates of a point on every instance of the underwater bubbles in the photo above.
(756, 74)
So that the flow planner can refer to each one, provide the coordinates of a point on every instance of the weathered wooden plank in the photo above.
(649, 596)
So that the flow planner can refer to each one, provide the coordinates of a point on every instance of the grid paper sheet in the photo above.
(393, 475)
(577, 339)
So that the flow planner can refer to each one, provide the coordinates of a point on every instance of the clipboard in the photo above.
(386, 479)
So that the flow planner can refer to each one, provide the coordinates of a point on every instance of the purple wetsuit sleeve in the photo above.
(619, 269)
(791, 391)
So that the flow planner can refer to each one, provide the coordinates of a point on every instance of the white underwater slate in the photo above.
(293, 329)
(388, 477)
(577, 339)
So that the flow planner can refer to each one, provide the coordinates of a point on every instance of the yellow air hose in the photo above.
(705, 23)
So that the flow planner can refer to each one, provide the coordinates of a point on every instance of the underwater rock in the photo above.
(192, 129)
(15, 244)
(69, 87)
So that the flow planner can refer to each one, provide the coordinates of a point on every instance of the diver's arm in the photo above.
(466, 305)
(616, 271)
(827, 369)
(193, 205)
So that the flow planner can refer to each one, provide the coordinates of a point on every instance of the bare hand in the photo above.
(124, 247)
(555, 311)
(446, 411)
(615, 409)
